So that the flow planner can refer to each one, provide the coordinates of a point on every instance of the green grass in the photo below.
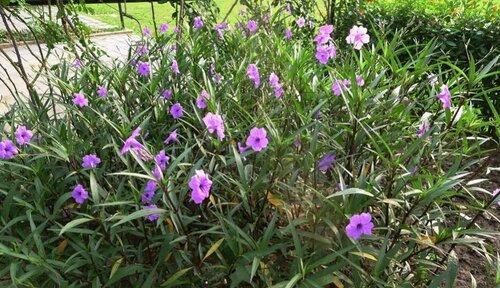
(108, 13)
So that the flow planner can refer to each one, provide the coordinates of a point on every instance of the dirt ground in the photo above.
(471, 262)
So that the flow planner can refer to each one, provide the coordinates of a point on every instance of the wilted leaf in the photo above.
(212, 249)
(275, 201)
(115, 267)
(337, 282)
(365, 255)
(62, 246)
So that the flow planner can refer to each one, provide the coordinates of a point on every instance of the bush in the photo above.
(280, 209)
(463, 29)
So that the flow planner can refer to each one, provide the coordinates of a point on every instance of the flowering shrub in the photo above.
(182, 168)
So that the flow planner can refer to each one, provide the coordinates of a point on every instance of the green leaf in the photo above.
(139, 214)
(94, 188)
(350, 191)
(73, 224)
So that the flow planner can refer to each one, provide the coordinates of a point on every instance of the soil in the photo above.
(471, 262)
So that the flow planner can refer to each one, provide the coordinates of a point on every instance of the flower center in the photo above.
(359, 226)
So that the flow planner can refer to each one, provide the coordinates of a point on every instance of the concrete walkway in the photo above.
(115, 44)
(42, 12)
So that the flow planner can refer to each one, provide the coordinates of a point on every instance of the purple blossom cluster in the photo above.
(325, 49)
(274, 82)
(253, 74)
(214, 124)
(9, 150)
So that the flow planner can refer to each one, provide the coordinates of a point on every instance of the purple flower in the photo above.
(175, 67)
(253, 74)
(79, 194)
(346, 83)
(80, 100)
(274, 80)
(7, 150)
(201, 100)
(337, 87)
(143, 68)
(242, 149)
(78, 64)
(23, 135)
(132, 144)
(152, 217)
(172, 137)
(325, 52)
(142, 50)
(297, 143)
(157, 172)
(276, 85)
(214, 124)
(323, 35)
(177, 30)
(90, 161)
(423, 128)
(317, 114)
(358, 37)
(257, 139)
(149, 191)
(167, 94)
(220, 28)
(200, 186)
(162, 160)
(176, 111)
(288, 8)
(164, 28)
(359, 224)
(146, 32)
(326, 162)
(265, 17)
(198, 22)
(301, 22)
(217, 78)
(102, 91)
(326, 29)
(252, 26)
(360, 81)
(445, 97)
(288, 33)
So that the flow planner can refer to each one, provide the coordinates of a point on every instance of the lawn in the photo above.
(108, 13)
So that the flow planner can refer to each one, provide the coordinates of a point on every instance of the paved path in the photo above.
(42, 12)
(116, 46)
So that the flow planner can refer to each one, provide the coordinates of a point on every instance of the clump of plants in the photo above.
(248, 156)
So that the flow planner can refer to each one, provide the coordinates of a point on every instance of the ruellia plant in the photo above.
(248, 156)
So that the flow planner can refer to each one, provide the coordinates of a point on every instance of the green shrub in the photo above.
(272, 217)
(463, 30)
